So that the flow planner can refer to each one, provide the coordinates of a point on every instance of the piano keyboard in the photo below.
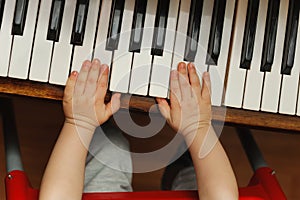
(45, 40)
(264, 68)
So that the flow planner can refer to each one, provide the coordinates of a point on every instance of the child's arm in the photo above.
(189, 113)
(84, 110)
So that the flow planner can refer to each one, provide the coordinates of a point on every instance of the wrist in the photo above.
(203, 142)
(192, 130)
(76, 135)
(79, 125)
(198, 135)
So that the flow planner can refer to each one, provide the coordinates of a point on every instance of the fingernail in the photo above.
(191, 66)
(86, 66)
(74, 73)
(182, 65)
(96, 60)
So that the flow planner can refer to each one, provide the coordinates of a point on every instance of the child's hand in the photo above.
(84, 96)
(190, 103)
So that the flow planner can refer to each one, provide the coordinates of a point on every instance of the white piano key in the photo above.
(159, 83)
(60, 65)
(218, 72)
(100, 52)
(84, 52)
(236, 75)
(204, 35)
(121, 65)
(22, 45)
(5, 36)
(203, 41)
(141, 65)
(272, 81)
(254, 79)
(181, 32)
(290, 85)
(42, 49)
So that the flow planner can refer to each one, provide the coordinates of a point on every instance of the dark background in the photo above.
(39, 122)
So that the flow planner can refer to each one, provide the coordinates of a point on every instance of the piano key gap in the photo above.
(51, 58)
(110, 67)
(130, 75)
(10, 55)
(175, 36)
(296, 109)
(150, 76)
(244, 89)
(262, 90)
(96, 31)
(71, 60)
(33, 41)
(280, 89)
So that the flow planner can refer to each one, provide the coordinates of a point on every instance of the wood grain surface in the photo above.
(232, 116)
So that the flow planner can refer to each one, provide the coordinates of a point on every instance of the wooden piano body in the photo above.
(234, 116)
(254, 119)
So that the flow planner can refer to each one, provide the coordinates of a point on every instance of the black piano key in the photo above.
(137, 25)
(193, 31)
(270, 36)
(159, 34)
(2, 3)
(19, 17)
(55, 20)
(216, 30)
(115, 24)
(249, 34)
(79, 23)
(290, 38)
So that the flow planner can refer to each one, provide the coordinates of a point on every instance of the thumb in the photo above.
(113, 106)
(164, 107)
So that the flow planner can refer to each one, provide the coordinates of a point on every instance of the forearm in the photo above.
(64, 175)
(214, 173)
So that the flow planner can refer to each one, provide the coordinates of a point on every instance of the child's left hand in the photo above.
(84, 96)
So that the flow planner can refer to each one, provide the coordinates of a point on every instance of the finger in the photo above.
(82, 77)
(184, 81)
(175, 94)
(113, 106)
(181, 68)
(69, 89)
(164, 108)
(194, 80)
(206, 87)
(102, 83)
(92, 79)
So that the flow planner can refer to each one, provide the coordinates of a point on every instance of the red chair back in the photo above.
(263, 186)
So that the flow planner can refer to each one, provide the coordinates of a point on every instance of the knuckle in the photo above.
(80, 82)
(91, 80)
(185, 84)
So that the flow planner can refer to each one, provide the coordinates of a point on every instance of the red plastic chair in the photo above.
(262, 186)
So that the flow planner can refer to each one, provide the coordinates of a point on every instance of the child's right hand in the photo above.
(190, 102)
(84, 96)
